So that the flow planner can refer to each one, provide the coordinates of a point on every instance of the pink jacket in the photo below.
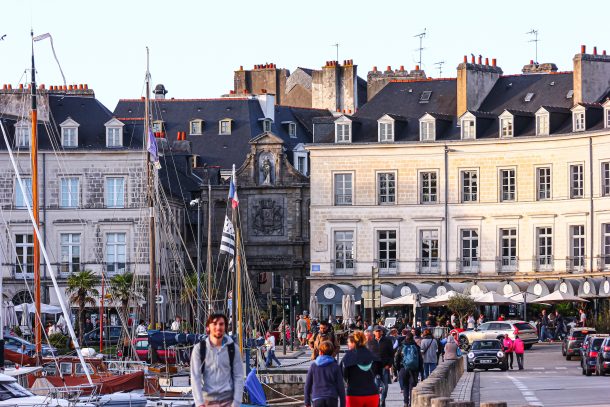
(518, 346)
(508, 345)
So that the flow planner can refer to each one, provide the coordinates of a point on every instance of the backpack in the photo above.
(202, 352)
(410, 357)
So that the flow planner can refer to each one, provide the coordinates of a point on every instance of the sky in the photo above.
(196, 45)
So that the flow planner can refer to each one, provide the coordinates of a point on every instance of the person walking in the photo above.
(429, 349)
(176, 324)
(470, 322)
(217, 375)
(544, 327)
(357, 368)
(559, 326)
(519, 349)
(141, 328)
(582, 319)
(324, 383)
(386, 357)
(451, 349)
(324, 334)
(302, 330)
(270, 345)
(409, 359)
(509, 347)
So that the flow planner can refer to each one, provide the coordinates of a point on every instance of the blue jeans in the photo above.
(385, 383)
(270, 358)
(428, 368)
(544, 333)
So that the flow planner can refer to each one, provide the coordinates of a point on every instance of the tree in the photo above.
(82, 292)
(121, 289)
(462, 305)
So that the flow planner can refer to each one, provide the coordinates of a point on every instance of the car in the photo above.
(486, 354)
(497, 329)
(602, 365)
(589, 351)
(112, 335)
(20, 345)
(143, 351)
(570, 346)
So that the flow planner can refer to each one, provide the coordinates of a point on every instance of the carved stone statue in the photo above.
(266, 171)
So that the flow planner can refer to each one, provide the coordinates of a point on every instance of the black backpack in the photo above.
(203, 349)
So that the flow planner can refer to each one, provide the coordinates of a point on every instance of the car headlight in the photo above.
(470, 355)
(500, 354)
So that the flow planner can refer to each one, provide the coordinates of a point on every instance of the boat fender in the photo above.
(202, 352)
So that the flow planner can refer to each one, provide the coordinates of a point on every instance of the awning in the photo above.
(409, 299)
(507, 287)
(44, 308)
(567, 286)
(477, 288)
(403, 289)
(333, 293)
(589, 287)
(444, 287)
(604, 288)
(540, 287)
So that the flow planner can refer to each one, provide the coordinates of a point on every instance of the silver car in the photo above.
(497, 329)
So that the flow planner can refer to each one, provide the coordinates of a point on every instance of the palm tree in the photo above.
(121, 289)
(82, 292)
(189, 294)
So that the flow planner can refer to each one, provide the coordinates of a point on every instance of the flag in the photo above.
(227, 243)
(151, 146)
(233, 191)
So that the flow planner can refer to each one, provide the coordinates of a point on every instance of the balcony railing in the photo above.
(343, 266)
(468, 265)
(65, 269)
(23, 270)
(387, 266)
(543, 263)
(576, 264)
(343, 199)
(429, 265)
(603, 262)
(507, 264)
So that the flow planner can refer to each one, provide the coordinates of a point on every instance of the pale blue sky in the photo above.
(196, 45)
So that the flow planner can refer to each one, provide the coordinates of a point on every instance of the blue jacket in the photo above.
(324, 381)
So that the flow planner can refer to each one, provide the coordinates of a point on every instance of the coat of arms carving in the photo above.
(268, 218)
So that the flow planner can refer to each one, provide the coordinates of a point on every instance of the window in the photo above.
(344, 132)
(224, 127)
(386, 131)
(157, 126)
(508, 249)
(468, 129)
(607, 118)
(292, 129)
(65, 368)
(267, 125)
(506, 127)
(543, 183)
(508, 185)
(344, 250)
(69, 192)
(605, 179)
(115, 252)
(428, 187)
(542, 125)
(528, 97)
(20, 201)
(115, 192)
(469, 186)
(425, 96)
(69, 136)
(579, 121)
(22, 136)
(343, 189)
(386, 182)
(428, 251)
(469, 249)
(114, 137)
(386, 249)
(24, 254)
(427, 131)
(570, 94)
(577, 247)
(196, 127)
(70, 252)
(544, 247)
(302, 164)
(577, 181)
(605, 261)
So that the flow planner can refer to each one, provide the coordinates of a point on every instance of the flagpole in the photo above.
(233, 220)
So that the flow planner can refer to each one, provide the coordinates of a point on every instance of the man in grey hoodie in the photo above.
(215, 382)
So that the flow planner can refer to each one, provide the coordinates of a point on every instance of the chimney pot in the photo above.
(594, 50)
(4, 87)
(241, 67)
(86, 86)
(480, 60)
(472, 59)
(604, 52)
(41, 86)
(245, 91)
(10, 86)
(402, 68)
(583, 49)
(486, 61)
(374, 69)
(531, 62)
(493, 62)
(417, 67)
(349, 111)
(465, 59)
(20, 86)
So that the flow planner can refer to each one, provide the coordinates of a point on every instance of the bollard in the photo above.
(425, 400)
(461, 404)
(441, 401)
(494, 404)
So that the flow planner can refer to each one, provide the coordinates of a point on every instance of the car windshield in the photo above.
(12, 390)
(597, 342)
(523, 326)
(486, 345)
(581, 334)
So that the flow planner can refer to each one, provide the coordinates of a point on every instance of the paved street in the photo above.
(548, 380)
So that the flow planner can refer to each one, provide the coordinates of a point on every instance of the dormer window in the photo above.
(386, 131)
(506, 127)
(267, 125)
(542, 124)
(343, 130)
(427, 130)
(224, 127)
(114, 133)
(607, 114)
(292, 129)
(69, 133)
(578, 120)
(469, 128)
(158, 126)
(22, 134)
(196, 127)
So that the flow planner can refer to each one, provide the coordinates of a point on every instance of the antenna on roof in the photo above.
(440, 68)
(421, 48)
(535, 40)
(336, 46)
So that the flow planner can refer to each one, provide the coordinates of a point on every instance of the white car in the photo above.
(497, 329)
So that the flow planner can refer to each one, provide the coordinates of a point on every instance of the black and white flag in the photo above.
(227, 243)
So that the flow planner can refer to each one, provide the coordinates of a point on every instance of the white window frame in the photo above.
(383, 256)
(196, 127)
(292, 129)
(114, 196)
(607, 118)
(386, 188)
(576, 180)
(19, 201)
(470, 262)
(70, 249)
(548, 186)
(224, 127)
(21, 259)
(113, 253)
(507, 126)
(114, 137)
(543, 121)
(605, 249)
(544, 251)
(67, 139)
(428, 187)
(344, 255)
(343, 201)
(508, 184)
(469, 128)
(508, 239)
(429, 263)
(343, 132)
(473, 187)
(385, 131)
(579, 120)
(22, 135)
(70, 190)
(157, 126)
(605, 178)
(577, 255)
(427, 130)
(301, 155)
(267, 125)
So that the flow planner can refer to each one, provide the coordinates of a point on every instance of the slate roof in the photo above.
(213, 148)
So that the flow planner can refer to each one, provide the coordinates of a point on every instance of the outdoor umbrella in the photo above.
(313, 307)
(9, 316)
(440, 300)
(524, 297)
(557, 297)
(493, 298)
(409, 299)
(44, 308)
(344, 305)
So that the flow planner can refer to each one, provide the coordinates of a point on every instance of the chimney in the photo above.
(474, 82)
(591, 77)
(160, 91)
(533, 68)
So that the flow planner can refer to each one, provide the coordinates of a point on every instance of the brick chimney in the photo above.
(591, 76)
(474, 82)
(533, 68)
(376, 80)
(335, 86)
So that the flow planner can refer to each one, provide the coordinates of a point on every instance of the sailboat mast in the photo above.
(208, 265)
(35, 209)
(152, 284)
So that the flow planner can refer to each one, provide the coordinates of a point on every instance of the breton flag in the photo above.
(233, 191)
(151, 146)
(227, 243)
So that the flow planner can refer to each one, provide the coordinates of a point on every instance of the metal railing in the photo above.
(576, 264)
(543, 263)
(343, 266)
(387, 266)
(343, 199)
(507, 264)
(468, 265)
(429, 265)
(603, 262)
(23, 270)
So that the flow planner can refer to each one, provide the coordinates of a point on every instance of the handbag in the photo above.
(459, 352)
